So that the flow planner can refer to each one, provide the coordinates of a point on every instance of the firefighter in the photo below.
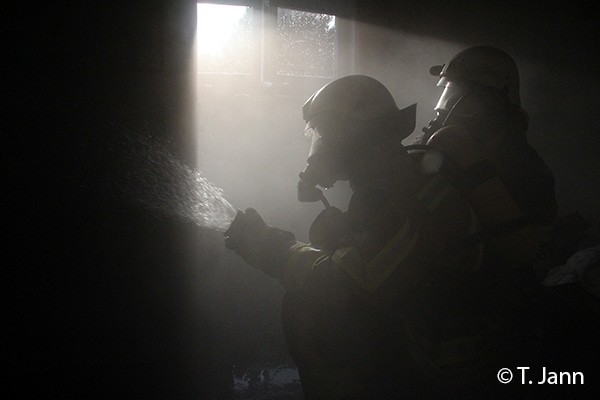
(386, 301)
(480, 132)
(482, 96)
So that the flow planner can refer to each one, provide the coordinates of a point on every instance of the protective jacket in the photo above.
(401, 295)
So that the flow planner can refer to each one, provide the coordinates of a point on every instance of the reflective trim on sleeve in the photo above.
(434, 191)
(299, 265)
(371, 275)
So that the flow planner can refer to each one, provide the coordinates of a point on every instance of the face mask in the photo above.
(323, 168)
(434, 124)
(451, 95)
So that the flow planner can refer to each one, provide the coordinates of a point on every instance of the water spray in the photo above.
(144, 171)
(167, 185)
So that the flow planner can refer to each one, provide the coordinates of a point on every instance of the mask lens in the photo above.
(309, 131)
(316, 144)
(452, 93)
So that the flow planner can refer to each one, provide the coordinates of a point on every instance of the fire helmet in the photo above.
(480, 84)
(342, 116)
(357, 97)
(486, 66)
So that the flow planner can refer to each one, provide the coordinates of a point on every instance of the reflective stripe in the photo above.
(351, 262)
(371, 275)
(299, 265)
(434, 191)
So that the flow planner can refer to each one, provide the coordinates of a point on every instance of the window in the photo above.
(226, 39)
(272, 41)
(305, 43)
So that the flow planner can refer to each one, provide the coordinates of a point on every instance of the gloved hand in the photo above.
(260, 245)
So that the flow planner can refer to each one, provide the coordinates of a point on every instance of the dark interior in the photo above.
(110, 294)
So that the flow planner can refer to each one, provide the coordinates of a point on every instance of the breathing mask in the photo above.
(324, 167)
(452, 94)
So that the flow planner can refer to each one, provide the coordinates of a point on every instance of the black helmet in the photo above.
(357, 97)
(342, 116)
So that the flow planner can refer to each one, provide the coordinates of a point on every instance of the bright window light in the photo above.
(224, 38)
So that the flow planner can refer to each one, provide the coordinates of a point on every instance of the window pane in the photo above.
(225, 39)
(305, 43)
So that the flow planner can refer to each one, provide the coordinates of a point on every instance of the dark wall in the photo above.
(104, 298)
(559, 32)
(110, 299)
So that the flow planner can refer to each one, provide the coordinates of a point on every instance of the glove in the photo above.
(260, 245)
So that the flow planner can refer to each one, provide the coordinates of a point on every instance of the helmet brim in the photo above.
(436, 70)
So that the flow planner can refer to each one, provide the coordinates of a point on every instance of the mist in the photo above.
(116, 145)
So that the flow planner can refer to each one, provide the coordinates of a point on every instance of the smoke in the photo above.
(405, 70)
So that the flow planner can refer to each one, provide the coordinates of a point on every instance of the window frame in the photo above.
(263, 70)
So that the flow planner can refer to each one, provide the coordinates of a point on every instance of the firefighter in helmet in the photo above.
(479, 135)
(380, 302)
(481, 95)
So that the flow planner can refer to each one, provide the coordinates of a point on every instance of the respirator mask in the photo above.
(452, 94)
(324, 167)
